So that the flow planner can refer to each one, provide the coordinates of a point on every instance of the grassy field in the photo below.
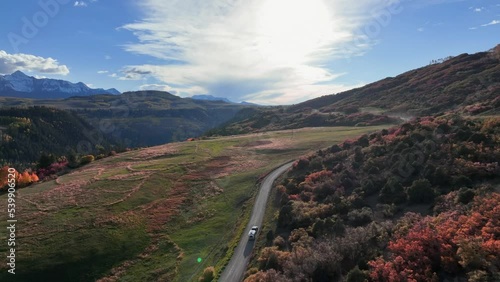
(157, 214)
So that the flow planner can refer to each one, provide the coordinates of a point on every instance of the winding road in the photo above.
(236, 267)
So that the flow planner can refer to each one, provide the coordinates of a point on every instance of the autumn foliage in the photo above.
(348, 211)
(22, 179)
(446, 245)
(53, 169)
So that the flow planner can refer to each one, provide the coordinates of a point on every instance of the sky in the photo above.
(263, 51)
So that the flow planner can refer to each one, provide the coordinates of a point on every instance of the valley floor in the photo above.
(159, 213)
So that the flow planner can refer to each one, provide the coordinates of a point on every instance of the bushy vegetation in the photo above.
(461, 242)
(87, 159)
(22, 179)
(208, 274)
(342, 213)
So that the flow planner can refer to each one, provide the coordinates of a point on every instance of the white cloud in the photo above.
(102, 71)
(80, 4)
(476, 9)
(113, 75)
(158, 87)
(493, 22)
(107, 57)
(420, 29)
(251, 48)
(10, 63)
(181, 91)
(134, 73)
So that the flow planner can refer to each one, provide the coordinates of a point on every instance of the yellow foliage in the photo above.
(22, 179)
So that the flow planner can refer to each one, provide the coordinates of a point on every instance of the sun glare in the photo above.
(292, 30)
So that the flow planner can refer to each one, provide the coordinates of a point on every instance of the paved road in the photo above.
(234, 271)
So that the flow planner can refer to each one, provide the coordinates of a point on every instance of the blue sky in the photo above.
(263, 51)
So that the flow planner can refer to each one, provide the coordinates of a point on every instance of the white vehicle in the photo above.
(253, 232)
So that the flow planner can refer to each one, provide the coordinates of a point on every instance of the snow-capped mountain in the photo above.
(20, 85)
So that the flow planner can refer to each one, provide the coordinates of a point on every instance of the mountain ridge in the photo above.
(466, 84)
(20, 85)
(425, 87)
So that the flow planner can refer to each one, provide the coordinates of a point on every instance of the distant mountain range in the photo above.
(210, 98)
(20, 85)
(214, 98)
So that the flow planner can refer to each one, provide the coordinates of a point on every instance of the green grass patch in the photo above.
(66, 255)
(114, 185)
(38, 188)
(204, 239)
(79, 175)
(114, 172)
(157, 187)
(160, 265)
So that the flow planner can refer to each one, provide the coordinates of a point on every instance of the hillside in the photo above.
(162, 213)
(418, 201)
(455, 83)
(265, 119)
(28, 133)
(468, 84)
(142, 118)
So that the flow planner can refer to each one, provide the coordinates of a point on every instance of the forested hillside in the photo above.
(418, 202)
(29, 133)
(141, 118)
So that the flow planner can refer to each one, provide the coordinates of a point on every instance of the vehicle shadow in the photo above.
(248, 248)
